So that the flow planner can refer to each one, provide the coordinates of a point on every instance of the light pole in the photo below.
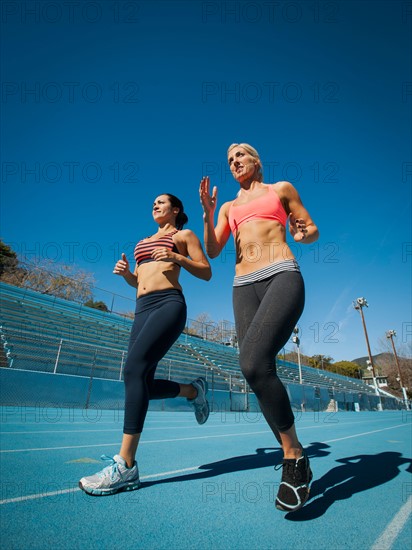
(359, 305)
(390, 334)
(295, 340)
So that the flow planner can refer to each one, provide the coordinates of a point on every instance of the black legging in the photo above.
(265, 314)
(159, 320)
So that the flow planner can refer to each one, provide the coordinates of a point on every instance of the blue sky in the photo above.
(107, 104)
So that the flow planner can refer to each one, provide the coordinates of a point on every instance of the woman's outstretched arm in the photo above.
(215, 238)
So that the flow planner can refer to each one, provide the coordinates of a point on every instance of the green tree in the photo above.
(347, 368)
(97, 305)
(320, 362)
(8, 258)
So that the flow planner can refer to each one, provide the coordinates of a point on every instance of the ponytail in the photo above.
(181, 218)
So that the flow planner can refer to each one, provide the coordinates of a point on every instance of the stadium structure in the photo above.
(57, 351)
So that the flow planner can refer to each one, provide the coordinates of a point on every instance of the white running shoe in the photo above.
(114, 478)
(200, 403)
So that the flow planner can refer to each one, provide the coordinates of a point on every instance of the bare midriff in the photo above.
(153, 276)
(260, 243)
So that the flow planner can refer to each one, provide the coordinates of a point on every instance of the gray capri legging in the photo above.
(266, 312)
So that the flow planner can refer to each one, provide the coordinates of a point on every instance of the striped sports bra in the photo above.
(144, 248)
(266, 207)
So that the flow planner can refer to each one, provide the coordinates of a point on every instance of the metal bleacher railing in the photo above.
(48, 334)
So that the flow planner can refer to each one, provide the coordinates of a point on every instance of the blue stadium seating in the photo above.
(44, 333)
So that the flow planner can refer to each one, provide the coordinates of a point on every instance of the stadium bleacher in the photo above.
(44, 333)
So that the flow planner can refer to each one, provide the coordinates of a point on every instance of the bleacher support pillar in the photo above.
(121, 365)
(58, 356)
(89, 391)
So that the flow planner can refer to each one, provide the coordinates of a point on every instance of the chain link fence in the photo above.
(62, 356)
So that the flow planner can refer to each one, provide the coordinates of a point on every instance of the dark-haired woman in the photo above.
(159, 320)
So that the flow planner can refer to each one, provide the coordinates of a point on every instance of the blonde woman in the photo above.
(268, 294)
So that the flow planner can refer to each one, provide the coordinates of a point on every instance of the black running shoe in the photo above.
(294, 487)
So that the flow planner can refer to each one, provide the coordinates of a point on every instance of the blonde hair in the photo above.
(252, 152)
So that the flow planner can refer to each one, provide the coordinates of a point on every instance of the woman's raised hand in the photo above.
(297, 228)
(122, 266)
(207, 200)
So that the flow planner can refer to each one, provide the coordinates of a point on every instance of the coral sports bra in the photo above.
(266, 207)
(143, 250)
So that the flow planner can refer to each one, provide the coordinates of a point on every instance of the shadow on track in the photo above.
(355, 475)
(263, 458)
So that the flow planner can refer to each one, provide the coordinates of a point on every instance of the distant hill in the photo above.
(385, 366)
(381, 359)
(384, 361)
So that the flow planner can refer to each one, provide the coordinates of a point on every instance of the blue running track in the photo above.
(205, 487)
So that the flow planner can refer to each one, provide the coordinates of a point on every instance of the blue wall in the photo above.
(22, 388)
(38, 389)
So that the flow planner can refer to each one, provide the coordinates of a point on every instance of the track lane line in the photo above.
(64, 491)
(211, 420)
(141, 442)
(196, 438)
(394, 528)
(76, 489)
(366, 433)
(118, 429)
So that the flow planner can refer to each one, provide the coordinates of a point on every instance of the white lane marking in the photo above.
(393, 529)
(211, 419)
(192, 425)
(75, 489)
(366, 433)
(194, 438)
(209, 425)
(141, 442)
(64, 491)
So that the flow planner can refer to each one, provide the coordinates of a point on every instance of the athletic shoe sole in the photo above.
(130, 486)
